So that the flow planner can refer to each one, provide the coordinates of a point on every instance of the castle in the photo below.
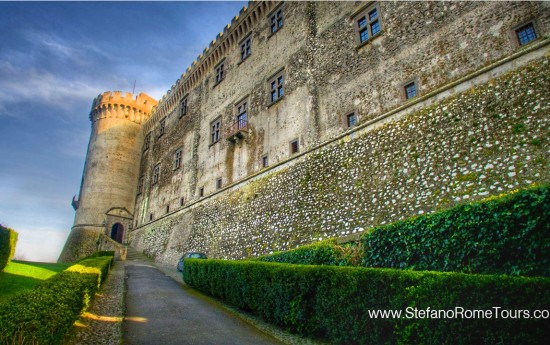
(310, 120)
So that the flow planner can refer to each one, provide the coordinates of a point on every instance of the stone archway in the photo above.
(117, 232)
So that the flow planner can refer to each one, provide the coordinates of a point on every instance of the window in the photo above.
(219, 183)
(276, 87)
(367, 24)
(526, 34)
(201, 192)
(150, 216)
(276, 20)
(242, 117)
(147, 142)
(162, 127)
(294, 146)
(351, 120)
(215, 130)
(140, 184)
(265, 161)
(410, 90)
(182, 201)
(183, 107)
(220, 74)
(246, 48)
(156, 174)
(177, 159)
(167, 208)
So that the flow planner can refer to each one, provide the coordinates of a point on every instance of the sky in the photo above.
(55, 58)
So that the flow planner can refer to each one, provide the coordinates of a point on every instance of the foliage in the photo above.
(44, 314)
(8, 240)
(20, 276)
(333, 303)
(509, 234)
(320, 253)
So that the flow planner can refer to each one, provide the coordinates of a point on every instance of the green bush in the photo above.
(334, 303)
(320, 253)
(44, 314)
(501, 235)
(8, 240)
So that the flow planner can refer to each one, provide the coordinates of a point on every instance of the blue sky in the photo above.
(54, 59)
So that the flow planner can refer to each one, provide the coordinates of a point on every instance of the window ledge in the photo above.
(243, 60)
(271, 34)
(218, 82)
(214, 143)
(276, 101)
(370, 40)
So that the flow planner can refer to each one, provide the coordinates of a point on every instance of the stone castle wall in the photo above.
(479, 143)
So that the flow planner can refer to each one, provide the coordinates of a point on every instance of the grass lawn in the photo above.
(22, 275)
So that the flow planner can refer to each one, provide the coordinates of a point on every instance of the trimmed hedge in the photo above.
(8, 240)
(320, 253)
(500, 235)
(44, 314)
(333, 303)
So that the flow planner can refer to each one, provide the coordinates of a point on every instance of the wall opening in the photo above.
(117, 232)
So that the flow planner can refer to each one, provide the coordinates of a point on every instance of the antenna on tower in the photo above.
(134, 89)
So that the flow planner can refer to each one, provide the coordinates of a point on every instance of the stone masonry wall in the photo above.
(485, 141)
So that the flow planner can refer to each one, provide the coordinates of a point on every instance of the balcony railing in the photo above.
(237, 130)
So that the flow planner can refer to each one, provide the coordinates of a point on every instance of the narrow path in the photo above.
(160, 311)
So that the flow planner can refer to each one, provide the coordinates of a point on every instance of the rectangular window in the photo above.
(246, 48)
(294, 146)
(215, 130)
(156, 174)
(183, 107)
(150, 216)
(140, 184)
(276, 20)
(351, 120)
(147, 142)
(242, 114)
(367, 23)
(526, 34)
(201, 192)
(410, 90)
(276, 87)
(220, 74)
(265, 161)
(162, 127)
(177, 159)
(219, 183)
(182, 201)
(167, 208)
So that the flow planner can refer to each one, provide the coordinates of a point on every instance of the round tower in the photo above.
(108, 189)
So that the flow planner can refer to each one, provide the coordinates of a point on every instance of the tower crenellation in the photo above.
(122, 105)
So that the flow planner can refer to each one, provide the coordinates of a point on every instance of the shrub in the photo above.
(501, 235)
(333, 303)
(8, 240)
(44, 314)
(320, 253)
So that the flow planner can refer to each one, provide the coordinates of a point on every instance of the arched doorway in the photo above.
(117, 232)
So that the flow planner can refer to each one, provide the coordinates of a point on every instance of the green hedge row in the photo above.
(334, 303)
(501, 235)
(44, 314)
(320, 253)
(8, 240)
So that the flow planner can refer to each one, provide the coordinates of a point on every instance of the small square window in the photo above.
(276, 87)
(294, 146)
(219, 183)
(147, 142)
(246, 48)
(526, 34)
(265, 161)
(276, 20)
(220, 73)
(368, 23)
(156, 174)
(183, 107)
(201, 192)
(215, 130)
(410, 90)
(177, 158)
(351, 120)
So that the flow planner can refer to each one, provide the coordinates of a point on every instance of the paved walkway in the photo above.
(159, 310)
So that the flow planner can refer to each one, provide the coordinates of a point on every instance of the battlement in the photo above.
(120, 104)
